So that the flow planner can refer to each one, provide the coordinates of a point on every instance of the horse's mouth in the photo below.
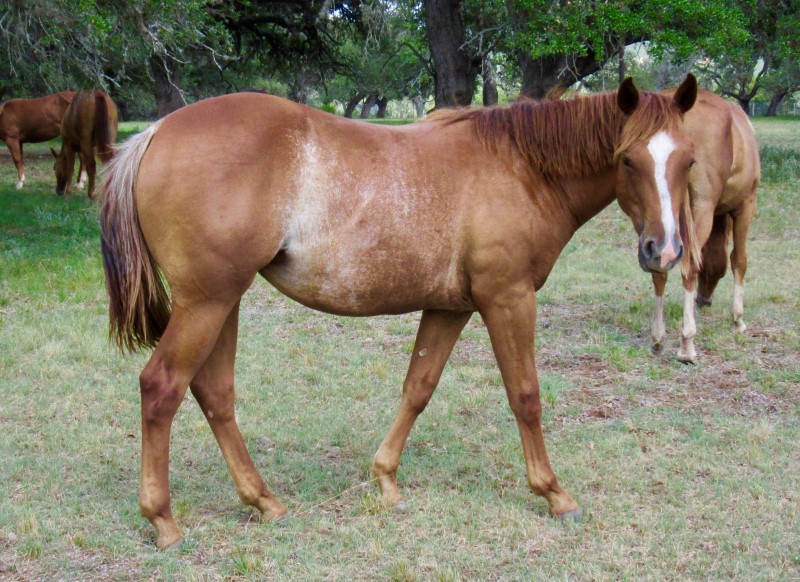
(654, 265)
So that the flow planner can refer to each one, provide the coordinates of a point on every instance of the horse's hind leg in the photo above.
(82, 177)
(715, 260)
(87, 157)
(741, 224)
(188, 340)
(437, 334)
(658, 330)
(213, 388)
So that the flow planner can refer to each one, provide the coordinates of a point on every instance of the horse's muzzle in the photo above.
(659, 259)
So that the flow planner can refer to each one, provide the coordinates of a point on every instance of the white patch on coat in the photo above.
(660, 147)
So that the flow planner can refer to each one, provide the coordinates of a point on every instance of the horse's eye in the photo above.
(627, 162)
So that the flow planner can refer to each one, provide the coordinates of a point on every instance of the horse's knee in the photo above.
(161, 394)
(215, 400)
(526, 404)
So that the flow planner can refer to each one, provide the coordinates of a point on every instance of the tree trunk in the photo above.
(298, 92)
(455, 71)
(623, 69)
(744, 103)
(383, 102)
(368, 103)
(554, 72)
(167, 86)
(545, 74)
(419, 105)
(775, 101)
(489, 82)
(352, 103)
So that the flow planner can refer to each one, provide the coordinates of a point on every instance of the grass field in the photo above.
(685, 472)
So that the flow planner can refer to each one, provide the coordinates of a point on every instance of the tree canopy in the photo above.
(155, 55)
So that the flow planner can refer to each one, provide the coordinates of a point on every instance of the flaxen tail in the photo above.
(139, 305)
(692, 252)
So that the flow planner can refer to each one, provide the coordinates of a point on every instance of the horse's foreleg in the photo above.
(15, 147)
(510, 318)
(703, 219)
(741, 224)
(213, 388)
(437, 334)
(189, 338)
(69, 153)
(658, 331)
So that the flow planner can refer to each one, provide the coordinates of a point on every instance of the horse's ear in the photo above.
(627, 96)
(54, 152)
(686, 94)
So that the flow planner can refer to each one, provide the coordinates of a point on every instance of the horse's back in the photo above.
(341, 215)
(747, 163)
(35, 120)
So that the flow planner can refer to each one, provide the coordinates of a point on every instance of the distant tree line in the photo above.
(153, 56)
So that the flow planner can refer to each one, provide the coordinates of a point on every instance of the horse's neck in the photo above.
(585, 197)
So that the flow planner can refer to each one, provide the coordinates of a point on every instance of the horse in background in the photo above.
(467, 211)
(722, 187)
(89, 127)
(32, 121)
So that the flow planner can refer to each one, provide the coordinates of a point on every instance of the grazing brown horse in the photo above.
(31, 121)
(722, 187)
(465, 212)
(89, 127)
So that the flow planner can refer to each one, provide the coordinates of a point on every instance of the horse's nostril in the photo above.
(650, 249)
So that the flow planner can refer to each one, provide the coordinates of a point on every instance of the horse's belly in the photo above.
(363, 281)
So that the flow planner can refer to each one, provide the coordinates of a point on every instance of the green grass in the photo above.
(686, 472)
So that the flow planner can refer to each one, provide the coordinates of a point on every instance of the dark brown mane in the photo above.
(576, 137)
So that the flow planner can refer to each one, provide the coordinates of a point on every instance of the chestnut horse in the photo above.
(722, 187)
(89, 127)
(465, 212)
(31, 121)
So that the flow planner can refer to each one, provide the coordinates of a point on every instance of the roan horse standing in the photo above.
(466, 212)
(89, 127)
(722, 188)
(31, 121)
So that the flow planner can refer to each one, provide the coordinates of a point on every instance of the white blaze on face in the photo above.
(660, 148)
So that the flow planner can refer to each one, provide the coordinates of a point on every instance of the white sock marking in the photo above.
(689, 326)
(659, 330)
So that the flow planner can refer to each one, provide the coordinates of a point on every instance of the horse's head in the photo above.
(653, 162)
(60, 167)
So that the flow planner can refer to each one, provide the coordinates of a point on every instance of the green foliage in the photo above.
(583, 26)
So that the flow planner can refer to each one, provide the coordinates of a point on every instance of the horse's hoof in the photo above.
(20, 185)
(574, 516)
(275, 516)
(739, 326)
(282, 518)
(702, 301)
(657, 348)
(687, 358)
(400, 507)
(171, 542)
